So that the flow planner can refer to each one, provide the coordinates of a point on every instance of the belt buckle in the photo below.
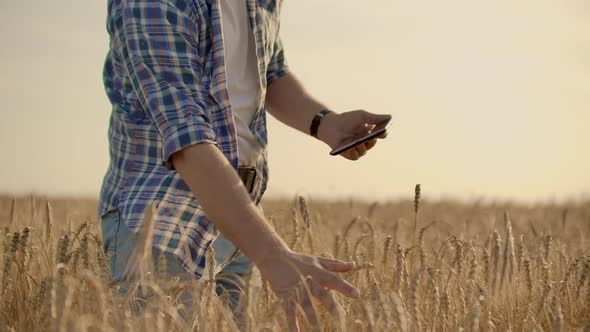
(248, 175)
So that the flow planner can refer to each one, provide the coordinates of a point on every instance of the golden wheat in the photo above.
(467, 276)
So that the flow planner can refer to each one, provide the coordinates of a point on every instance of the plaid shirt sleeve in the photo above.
(162, 58)
(278, 63)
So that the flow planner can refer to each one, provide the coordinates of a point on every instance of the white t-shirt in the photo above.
(241, 70)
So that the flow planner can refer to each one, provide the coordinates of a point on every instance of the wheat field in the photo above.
(420, 266)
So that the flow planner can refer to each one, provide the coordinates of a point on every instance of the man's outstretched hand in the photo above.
(336, 128)
(296, 278)
(217, 185)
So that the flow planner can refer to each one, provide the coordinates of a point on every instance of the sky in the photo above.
(489, 99)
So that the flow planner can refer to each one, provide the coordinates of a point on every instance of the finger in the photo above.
(361, 149)
(370, 144)
(326, 298)
(383, 135)
(351, 154)
(307, 306)
(291, 313)
(335, 265)
(338, 284)
(375, 118)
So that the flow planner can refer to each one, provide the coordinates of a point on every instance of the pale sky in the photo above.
(489, 98)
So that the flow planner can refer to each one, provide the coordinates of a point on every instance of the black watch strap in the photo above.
(315, 123)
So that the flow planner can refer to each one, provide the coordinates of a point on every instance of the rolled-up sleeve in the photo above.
(278, 64)
(159, 44)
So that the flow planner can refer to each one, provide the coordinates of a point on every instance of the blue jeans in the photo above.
(119, 243)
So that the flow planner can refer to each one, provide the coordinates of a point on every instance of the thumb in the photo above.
(376, 118)
(335, 265)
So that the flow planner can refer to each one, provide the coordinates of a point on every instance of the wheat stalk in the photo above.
(495, 259)
(509, 257)
(413, 301)
(13, 220)
(8, 261)
(48, 221)
(386, 249)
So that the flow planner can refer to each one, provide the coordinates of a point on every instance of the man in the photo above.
(190, 82)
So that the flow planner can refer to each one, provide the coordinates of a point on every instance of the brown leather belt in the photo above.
(248, 176)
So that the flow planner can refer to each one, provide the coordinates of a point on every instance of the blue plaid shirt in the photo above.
(164, 75)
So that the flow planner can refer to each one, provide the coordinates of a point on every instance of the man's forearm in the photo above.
(224, 199)
(290, 103)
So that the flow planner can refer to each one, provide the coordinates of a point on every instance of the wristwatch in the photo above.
(315, 123)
